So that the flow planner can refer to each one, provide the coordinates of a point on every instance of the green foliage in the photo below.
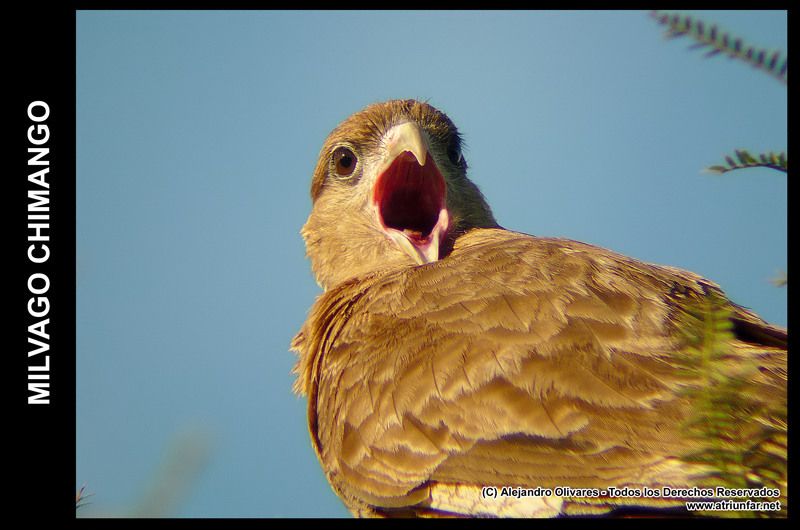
(744, 159)
(736, 437)
(707, 330)
(710, 36)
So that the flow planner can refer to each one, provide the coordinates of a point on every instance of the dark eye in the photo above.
(344, 161)
(454, 154)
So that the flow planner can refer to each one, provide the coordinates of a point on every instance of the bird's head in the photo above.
(390, 189)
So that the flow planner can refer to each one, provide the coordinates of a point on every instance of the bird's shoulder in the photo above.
(496, 277)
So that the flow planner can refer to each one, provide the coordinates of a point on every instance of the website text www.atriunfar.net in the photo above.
(707, 499)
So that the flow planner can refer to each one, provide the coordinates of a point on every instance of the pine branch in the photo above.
(744, 159)
(710, 36)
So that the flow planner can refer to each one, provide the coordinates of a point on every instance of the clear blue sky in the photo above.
(197, 133)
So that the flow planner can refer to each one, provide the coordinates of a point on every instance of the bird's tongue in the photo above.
(410, 200)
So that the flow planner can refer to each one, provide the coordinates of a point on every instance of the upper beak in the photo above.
(405, 137)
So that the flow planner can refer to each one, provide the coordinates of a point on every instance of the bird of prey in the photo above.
(457, 368)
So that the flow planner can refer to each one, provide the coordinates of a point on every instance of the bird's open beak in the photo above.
(410, 194)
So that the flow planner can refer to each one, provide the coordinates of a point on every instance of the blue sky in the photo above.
(197, 133)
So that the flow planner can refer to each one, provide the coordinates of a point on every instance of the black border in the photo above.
(45, 52)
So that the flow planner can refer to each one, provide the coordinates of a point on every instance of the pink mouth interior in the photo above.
(409, 197)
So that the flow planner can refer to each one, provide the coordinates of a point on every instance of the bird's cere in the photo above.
(410, 196)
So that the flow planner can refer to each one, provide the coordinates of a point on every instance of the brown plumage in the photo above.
(448, 354)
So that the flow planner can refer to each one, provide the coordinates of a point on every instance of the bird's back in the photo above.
(534, 362)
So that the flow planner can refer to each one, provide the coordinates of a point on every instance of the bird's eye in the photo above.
(344, 161)
(454, 154)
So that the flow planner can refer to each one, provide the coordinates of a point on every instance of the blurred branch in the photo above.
(780, 280)
(80, 497)
(744, 159)
(183, 462)
(710, 36)
(184, 459)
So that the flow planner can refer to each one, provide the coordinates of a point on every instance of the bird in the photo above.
(456, 368)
